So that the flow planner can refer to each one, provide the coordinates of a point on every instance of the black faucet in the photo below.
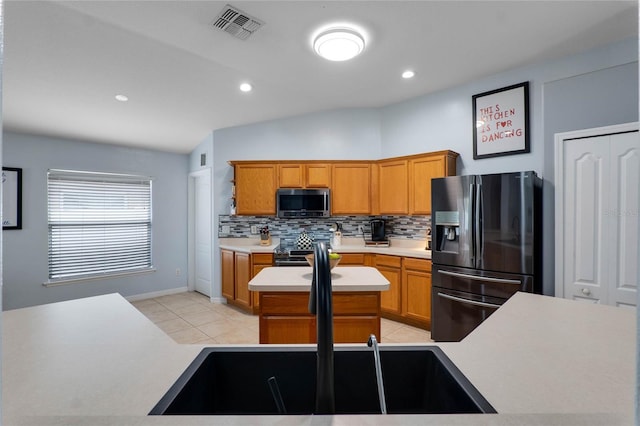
(321, 305)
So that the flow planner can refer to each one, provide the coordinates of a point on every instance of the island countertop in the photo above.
(537, 360)
(298, 278)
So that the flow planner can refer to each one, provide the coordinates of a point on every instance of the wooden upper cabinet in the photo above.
(421, 170)
(309, 175)
(318, 175)
(393, 187)
(351, 188)
(255, 188)
(290, 175)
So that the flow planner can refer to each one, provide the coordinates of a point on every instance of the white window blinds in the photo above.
(99, 223)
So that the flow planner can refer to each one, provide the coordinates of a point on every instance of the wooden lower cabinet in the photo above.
(408, 299)
(285, 317)
(243, 276)
(416, 291)
(391, 268)
(237, 269)
(227, 263)
(353, 259)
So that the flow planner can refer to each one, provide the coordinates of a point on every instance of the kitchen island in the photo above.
(284, 304)
(538, 360)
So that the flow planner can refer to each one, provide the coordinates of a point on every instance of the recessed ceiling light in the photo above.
(246, 87)
(338, 44)
(122, 98)
(408, 74)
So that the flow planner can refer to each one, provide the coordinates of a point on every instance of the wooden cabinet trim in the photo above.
(417, 264)
(262, 258)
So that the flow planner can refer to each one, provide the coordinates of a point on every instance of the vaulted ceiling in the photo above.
(66, 60)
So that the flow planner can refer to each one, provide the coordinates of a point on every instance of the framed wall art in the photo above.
(501, 122)
(11, 198)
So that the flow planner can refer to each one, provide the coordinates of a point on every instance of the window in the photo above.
(99, 224)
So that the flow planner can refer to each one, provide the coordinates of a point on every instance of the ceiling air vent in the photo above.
(236, 22)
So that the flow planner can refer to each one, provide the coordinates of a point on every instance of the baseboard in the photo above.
(153, 294)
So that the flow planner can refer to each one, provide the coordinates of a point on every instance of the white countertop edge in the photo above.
(407, 248)
(298, 279)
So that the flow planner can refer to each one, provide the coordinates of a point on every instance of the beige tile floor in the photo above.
(191, 318)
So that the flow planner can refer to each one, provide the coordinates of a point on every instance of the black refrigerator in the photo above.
(487, 240)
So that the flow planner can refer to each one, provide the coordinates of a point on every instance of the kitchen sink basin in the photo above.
(234, 381)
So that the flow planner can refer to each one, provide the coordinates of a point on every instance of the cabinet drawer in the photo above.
(390, 261)
(417, 264)
(355, 303)
(262, 258)
(352, 259)
(283, 303)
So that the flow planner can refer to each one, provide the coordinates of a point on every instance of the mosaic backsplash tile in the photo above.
(408, 227)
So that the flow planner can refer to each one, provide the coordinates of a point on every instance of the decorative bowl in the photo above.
(332, 262)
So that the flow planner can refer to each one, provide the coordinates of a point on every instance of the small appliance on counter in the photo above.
(378, 237)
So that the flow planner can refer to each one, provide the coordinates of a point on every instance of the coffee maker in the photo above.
(377, 230)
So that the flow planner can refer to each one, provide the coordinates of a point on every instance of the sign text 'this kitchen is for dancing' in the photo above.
(500, 122)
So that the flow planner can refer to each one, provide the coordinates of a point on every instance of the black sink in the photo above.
(231, 381)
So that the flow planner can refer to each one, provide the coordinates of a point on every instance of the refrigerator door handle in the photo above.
(468, 302)
(479, 278)
(477, 239)
(472, 221)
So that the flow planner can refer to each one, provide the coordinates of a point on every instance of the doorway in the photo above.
(200, 242)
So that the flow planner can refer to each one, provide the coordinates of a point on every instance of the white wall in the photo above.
(443, 120)
(25, 251)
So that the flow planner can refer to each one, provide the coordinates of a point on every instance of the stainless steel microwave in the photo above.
(292, 202)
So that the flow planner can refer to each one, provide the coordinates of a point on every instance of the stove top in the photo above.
(288, 254)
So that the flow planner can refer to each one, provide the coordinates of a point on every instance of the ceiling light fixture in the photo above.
(122, 98)
(246, 87)
(408, 74)
(338, 44)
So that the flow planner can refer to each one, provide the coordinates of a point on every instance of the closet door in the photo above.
(585, 186)
(597, 215)
(622, 212)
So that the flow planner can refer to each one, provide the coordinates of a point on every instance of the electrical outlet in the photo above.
(254, 229)
(178, 272)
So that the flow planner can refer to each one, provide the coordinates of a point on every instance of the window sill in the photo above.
(65, 281)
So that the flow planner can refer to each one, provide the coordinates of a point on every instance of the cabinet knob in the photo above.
(586, 291)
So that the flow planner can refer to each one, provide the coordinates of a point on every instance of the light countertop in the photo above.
(99, 361)
(397, 247)
(298, 278)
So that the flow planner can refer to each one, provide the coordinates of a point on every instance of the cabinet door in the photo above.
(290, 176)
(416, 290)
(390, 268)
(318, 175)
(390, 300)
(393, 187)
(259, 261)
(422, 170)
(352, 259)
(287, 329)
(350, 189)
(228, 274)
(255, 189)
(243, 274)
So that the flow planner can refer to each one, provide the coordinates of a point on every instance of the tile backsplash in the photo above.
(409, 227)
